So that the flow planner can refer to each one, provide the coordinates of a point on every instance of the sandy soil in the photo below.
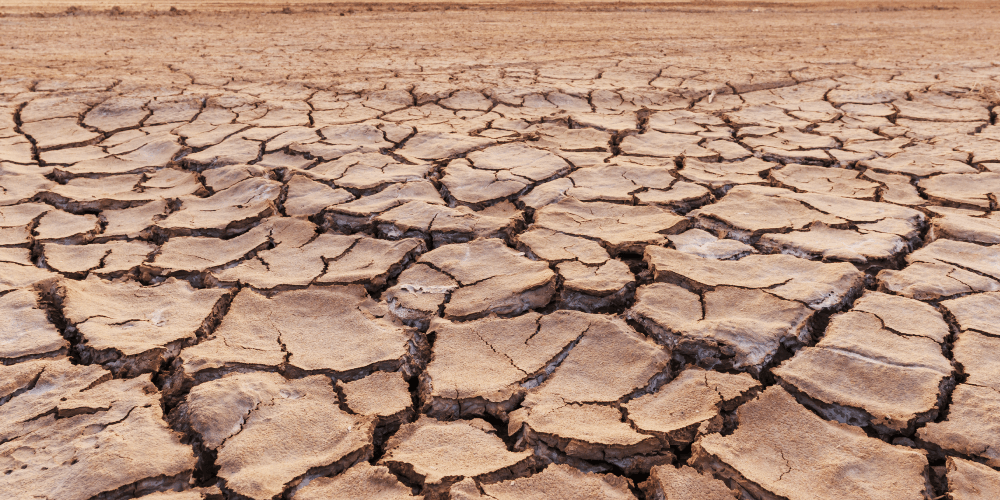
(705, 250)
(318, 46)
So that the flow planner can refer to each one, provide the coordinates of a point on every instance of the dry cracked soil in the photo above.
(647, 251)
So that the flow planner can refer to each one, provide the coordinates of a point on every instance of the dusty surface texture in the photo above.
(657, 250)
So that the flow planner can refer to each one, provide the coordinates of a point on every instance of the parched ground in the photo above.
(665, 250)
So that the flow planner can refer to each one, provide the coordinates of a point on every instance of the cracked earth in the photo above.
(456, 251)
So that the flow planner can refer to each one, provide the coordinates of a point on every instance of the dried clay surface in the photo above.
(666, 250)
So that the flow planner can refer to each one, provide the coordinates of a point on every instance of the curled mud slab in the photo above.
(421, 250)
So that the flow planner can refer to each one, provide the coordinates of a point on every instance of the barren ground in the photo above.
(662, 250)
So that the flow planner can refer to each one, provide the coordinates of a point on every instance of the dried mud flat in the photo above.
(484, 251)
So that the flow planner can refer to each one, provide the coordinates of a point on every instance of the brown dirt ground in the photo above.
(499, 250)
